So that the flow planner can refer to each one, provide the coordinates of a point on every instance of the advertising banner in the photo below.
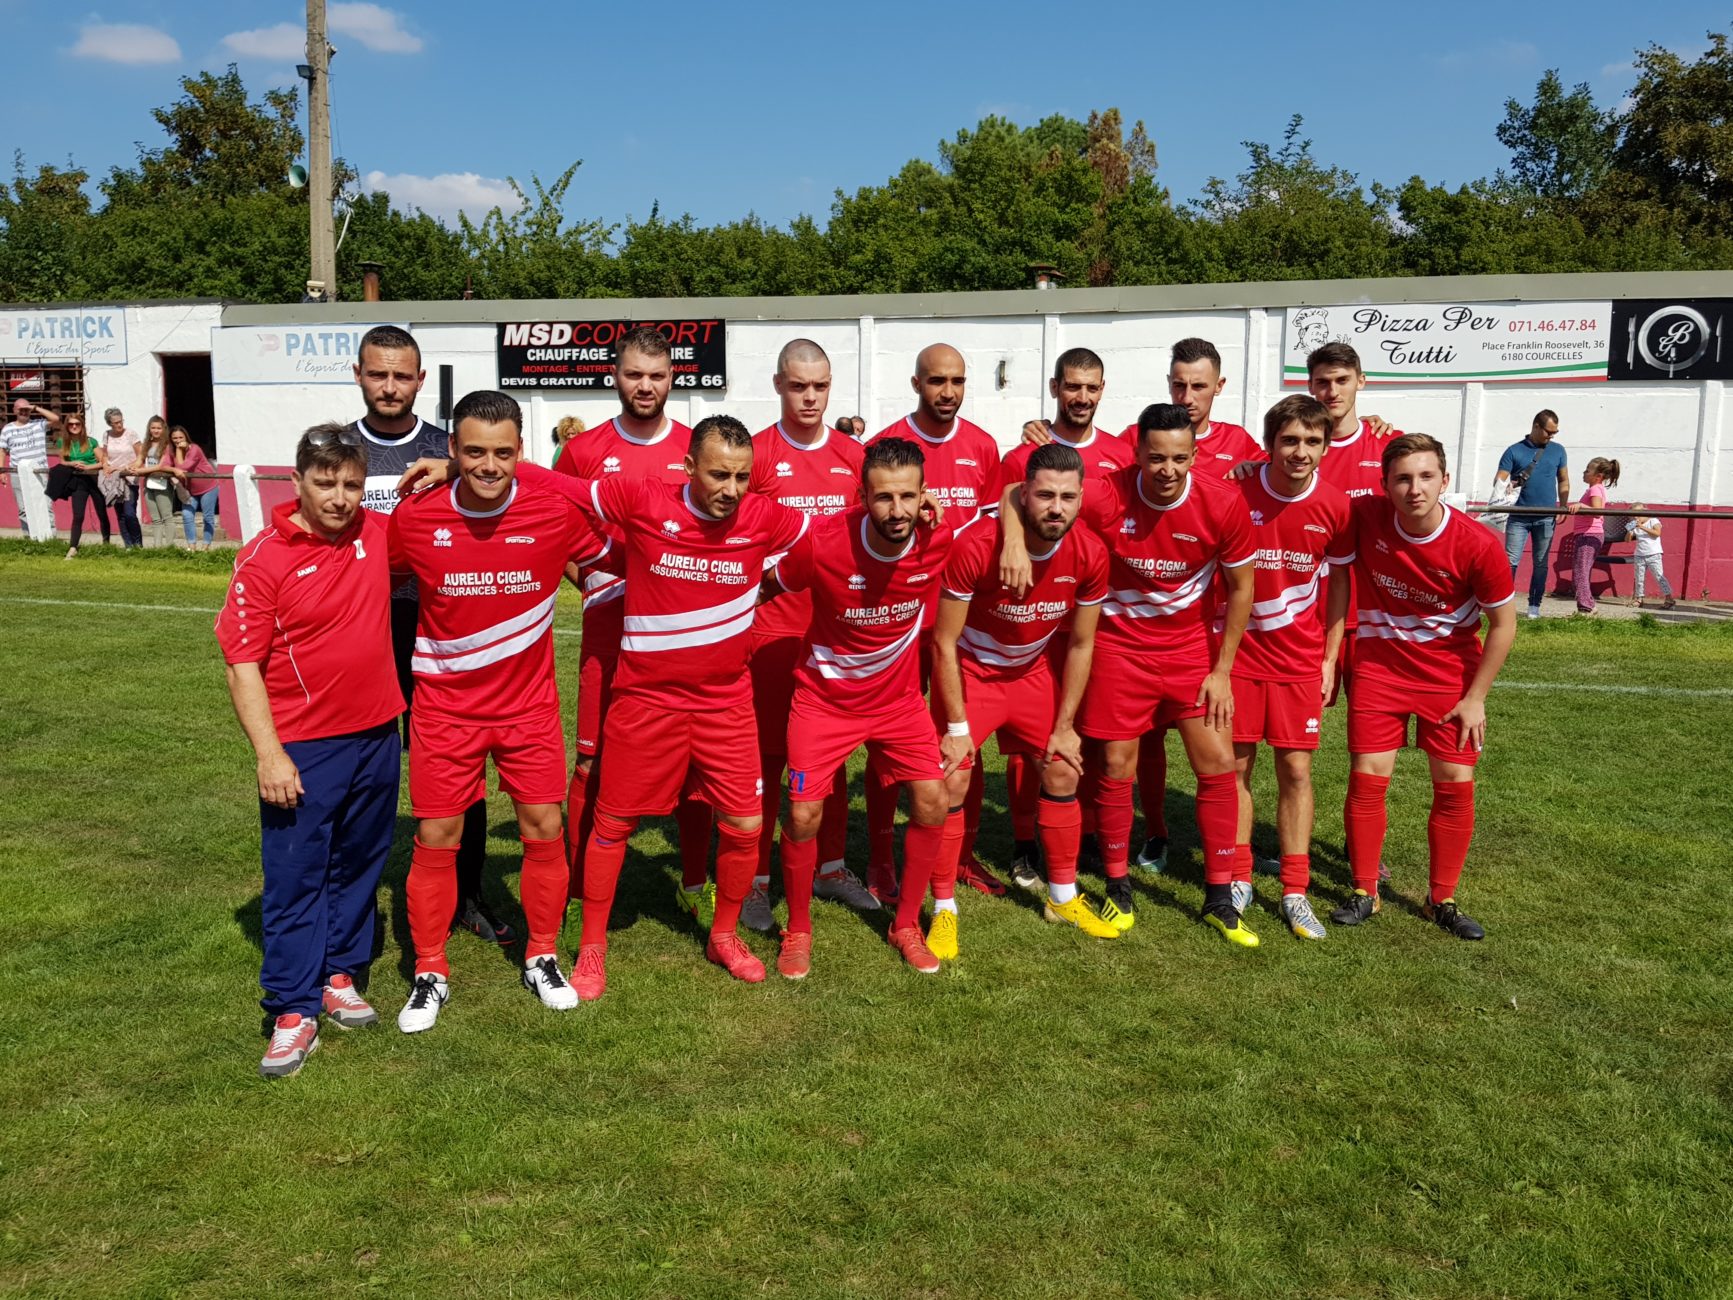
(580, 353)
(91, 336)
(1654, 338)
(1457, 343)
(287, 354)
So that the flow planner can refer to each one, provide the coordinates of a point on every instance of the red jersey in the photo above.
(820, 480)
(867, 611)
(1421, 598)
(1164, 558)
(315, 616)
(1218, 451)
(962, 468)
(1005, 633)
(1297, 539)
(484, 643)
(1102, 455)
(1353, 465)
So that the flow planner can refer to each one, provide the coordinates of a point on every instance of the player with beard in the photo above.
(389, 373)
(803, 464)
(874, 574)
(961, 468)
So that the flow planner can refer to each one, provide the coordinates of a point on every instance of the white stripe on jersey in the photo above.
(1285, 607)
(1157, 604)
(684, 640)
(869, 663)
(1419, 627)
(492, 654)
(995, 653)
(542, 612)
(746, 601)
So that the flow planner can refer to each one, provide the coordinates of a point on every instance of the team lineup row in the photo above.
(1076, 598)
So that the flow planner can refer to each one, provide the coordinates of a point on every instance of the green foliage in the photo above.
(1561, 145)
(1677, 143)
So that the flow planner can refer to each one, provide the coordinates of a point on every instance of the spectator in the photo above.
(568, 428)
(1591, 530)
(196, 485)
(860, 432)
(1537, 466)
(24, 442)
(118, 457)
(845, 425)
(1646, 555)
(158, 488)
(80, 452)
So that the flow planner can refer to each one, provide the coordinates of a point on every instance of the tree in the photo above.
(1561, 146)
(42, 218)
(1676, 146)
(533, 251)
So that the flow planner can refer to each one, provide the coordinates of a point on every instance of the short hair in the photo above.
(1163, 415)
(642, 338)
(391, 339)
(1186, 351)
(1333, 354)
(489, 407)
(330, 451)
(802, 350)
(729, 431)
(110, 413)
(568, 427)
(892, 453)
(1541, 417)
(1303, 407)
(1055, 456)
(1077, 359)
(845, 424)
(1410, 444)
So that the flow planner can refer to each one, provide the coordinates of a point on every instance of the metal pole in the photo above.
(322, 242)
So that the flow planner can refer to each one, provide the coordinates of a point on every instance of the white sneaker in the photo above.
(1534, 611)
(542, 977)
(1302, 920)
(427, 995)
(1242, 894)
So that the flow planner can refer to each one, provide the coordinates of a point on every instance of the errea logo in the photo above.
(611, 465)
(1129, 525)
(442, 537)
(1311, 726)
(784, 469)
(671, 527)
(1257, 519)
(856, 582)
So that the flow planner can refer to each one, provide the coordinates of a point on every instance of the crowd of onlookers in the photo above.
(142, 479)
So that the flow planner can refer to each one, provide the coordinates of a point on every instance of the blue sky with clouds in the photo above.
(723, 109)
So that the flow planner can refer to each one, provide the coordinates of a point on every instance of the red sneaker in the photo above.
(794, 961)
(728, 952)
(970, 872)
(913, 946)
(293, 1040)
(344, 1007)
(882, 880)
(590, 973)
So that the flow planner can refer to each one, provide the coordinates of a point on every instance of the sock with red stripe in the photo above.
(921, 848)
(1152, 784)
(881, 811)
(833, 830)
(736, 859)
(972, 809)
(1023, 783)
(694, 818)
(543, 885)
(1449, 829)
(799, 865)
(1059, 823)
(580, 821)
(1113, 826)
(1296, 873)
(1243, 863)
(950, 853)
(431, 893)
(602, 863)
(1365, 820)
(1218, 820)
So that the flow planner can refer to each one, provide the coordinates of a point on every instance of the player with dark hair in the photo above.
(1424, 577)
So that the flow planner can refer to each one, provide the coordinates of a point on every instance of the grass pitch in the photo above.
(1388, 1113)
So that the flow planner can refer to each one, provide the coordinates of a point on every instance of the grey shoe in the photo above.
(1302, 920)
(1242, 895)
(1266, 866)
(1152, 857)
(843, 886)
(1026, 868)
(755, 913)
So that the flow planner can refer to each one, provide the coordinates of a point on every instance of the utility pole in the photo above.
(322, 240)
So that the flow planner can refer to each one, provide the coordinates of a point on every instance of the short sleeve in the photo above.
(1238, 545)
(795, 570)
(1342, 544)
(968, 559)
(397, 554)
(1507, 462)
(786, 526)
(1489, 575)
(763, 480)
(611, 500)
(1092, 577)
(1103, 503)
(249, 611)
(585, 545)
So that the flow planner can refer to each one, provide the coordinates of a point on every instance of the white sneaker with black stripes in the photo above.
(542, 977)
(427, 995)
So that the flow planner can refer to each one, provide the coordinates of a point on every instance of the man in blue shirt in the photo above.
(1537, 466)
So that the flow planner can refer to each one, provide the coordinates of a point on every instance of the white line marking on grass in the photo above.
(104, 604)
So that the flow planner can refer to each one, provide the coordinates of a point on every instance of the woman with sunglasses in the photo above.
(80, 451)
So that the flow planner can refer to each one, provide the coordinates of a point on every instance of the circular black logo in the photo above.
(1674, 338)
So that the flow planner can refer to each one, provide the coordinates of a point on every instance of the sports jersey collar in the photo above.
(286, 527)
(1088, 442)
(1184, 493)
(1352, 438)
(956, 424)
(883, 559)
(1050, 552)
(661, 434)
(495, 513)
(1433, 536)
(699, 515)
(804, 446)
(1264, 480)
(380, 441)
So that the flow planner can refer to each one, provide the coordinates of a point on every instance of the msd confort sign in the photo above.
(91, 336)
(287, 354)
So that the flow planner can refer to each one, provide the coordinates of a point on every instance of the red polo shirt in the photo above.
(315, 615)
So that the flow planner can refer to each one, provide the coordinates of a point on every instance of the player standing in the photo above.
(489, 554)
(1424, 575)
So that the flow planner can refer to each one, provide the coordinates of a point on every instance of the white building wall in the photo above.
(151, 333)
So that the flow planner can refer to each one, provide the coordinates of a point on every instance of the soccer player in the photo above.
(489, 553)
(1002, 662)
(1281, 674)
(801, 463)
(874, 574)
(1424, 575)
(1169, 533)
(306, 634)
(961, 469)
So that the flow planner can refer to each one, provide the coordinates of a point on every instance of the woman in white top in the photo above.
(117, 457)
(158, 488)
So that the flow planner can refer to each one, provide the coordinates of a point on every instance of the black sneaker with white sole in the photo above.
(1361, 907)
(1026, 865)
(1450, 918)
(478, 918)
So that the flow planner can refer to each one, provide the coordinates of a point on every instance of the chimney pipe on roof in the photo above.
(370, 281)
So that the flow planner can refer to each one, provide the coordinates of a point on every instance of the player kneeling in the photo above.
(1424, 574)
(1001, 663)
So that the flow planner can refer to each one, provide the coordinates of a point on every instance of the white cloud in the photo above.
(125, 43)
(445, 195)
(1624, 69)
(284, 41)
(379, 29)
(1514, 54)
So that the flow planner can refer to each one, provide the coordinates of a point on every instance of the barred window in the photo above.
(59, 388)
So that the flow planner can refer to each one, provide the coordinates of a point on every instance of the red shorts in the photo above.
(1378, 713)
(1020, 709)
(774, 660)
(1128, 695)
(595, 690)
(1282, 714)
(448, 762)
(900, 741)
(661, 753)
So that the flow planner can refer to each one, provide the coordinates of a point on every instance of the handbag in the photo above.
(181, 494)
(1505, 494)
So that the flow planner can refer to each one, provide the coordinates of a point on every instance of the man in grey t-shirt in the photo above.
(24, 444)
(1537, 465)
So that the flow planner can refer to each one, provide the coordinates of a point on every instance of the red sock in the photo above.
(543, 886)
(1218, 819)
(1113, 826)
(1296, 873)
(833, 830)
(432, 898)
(799, 865)
(770, 769)
(881, 811)
(1243, 862)
(602, 863)
(736, 859)
(1365, 820)
(693, 818)
(1448, 832)
(1152, 784)
(580, 821)
(950, 853)
(1060, 824)
(972, 810)
(1023, 780)
(921, 848)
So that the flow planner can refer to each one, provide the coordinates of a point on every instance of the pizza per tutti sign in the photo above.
(1457, 343)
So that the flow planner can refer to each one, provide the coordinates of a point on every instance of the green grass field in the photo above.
(1389, 1113)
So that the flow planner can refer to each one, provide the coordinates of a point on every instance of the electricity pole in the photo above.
(322, 241)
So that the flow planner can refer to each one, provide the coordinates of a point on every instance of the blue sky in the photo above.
(723, 109)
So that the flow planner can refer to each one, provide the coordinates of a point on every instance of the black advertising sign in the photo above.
(580, 353)
(1681, 338)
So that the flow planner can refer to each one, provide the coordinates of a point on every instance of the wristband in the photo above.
(957, 728)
